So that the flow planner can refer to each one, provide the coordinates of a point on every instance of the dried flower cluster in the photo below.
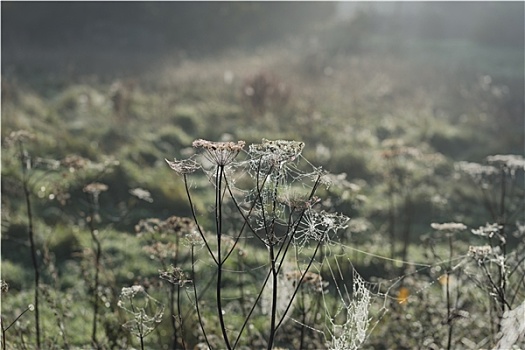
(489, 230)
(74, 163)
(477, 171)
(130, 292)
(18, 136)
(510, 162)
(174, 275)
(449, 227)
(146, 311)
(480, 252)
(274, 154)
(142, 194)
(95, 188)
(161, 251)
(220, 153)
(4, 287)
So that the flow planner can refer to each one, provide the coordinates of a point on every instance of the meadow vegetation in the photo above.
(302, 195)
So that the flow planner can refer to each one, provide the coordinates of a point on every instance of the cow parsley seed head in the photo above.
(18, 136)
(480, 252)
(130, 292)
(75, 162)
(508, 162)
(489, 230)
(95, 188)
(4, 287)
(174, 275)
(449, 227)
(274, 154)
(476, 171)
(220, 153)
(142, 194)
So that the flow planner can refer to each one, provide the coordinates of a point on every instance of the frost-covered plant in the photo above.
(146, 311)
(449, 229)
(264, 195)
(500, 182)
(163, 244)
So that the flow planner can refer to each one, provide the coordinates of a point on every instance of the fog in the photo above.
(88, 34)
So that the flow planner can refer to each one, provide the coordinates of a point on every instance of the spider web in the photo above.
(363, 304)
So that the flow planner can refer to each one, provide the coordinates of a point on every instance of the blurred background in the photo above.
(87, 36)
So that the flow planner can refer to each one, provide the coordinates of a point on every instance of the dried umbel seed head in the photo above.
(4, 287)
(512, 162)
(177, 225)
(480, 252)
(194, 239)
(475, 170)
(130, 292)
(220, 153)
(150, 225)
(142, 194)
(276, 153)
(18, 136)
(449, 227)
(489, 230)
(95, 188)
(174, 275)
(161, 250)
(74, 162)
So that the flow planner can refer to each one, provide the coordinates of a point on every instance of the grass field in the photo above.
(393, 123)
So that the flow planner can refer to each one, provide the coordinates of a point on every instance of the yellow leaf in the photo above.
(402, 295)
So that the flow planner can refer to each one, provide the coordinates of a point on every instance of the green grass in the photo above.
(428, 98)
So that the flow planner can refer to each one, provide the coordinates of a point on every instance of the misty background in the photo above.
(87, 36)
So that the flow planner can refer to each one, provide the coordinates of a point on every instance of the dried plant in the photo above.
(268, 196)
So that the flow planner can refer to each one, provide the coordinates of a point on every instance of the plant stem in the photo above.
(27, 195)
(98, 253)
(218, 223)
(196, 296)
(274, 297)
(449, 318)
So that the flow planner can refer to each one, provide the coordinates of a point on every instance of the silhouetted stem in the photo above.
(98, 253)
(196, 296)
(32, 245)
(193, 214)
(449, 319)
(4, 330)
(218, 223)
